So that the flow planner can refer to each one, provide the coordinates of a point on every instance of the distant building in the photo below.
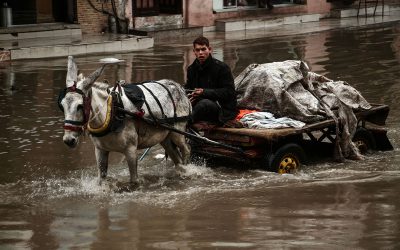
(96, 16)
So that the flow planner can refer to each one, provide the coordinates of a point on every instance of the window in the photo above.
(230, 4)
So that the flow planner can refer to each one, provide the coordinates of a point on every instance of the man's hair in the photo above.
(201, 40)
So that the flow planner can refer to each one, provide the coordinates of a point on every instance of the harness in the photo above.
(164, 119)
(115, 115)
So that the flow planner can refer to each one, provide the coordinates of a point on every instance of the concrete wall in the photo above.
(318, 6)
(199, 12)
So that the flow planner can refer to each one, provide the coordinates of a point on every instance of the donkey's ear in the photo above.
(87, 83)
(80, 77)
(72, 73)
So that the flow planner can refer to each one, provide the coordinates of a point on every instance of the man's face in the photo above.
(202, 52)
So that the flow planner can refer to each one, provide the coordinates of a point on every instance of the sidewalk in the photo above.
(76, 44)
(60, 46)
(309, 27)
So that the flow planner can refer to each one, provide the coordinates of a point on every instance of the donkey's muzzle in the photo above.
(71, 142)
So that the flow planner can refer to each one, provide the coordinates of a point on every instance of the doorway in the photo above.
(64, 11)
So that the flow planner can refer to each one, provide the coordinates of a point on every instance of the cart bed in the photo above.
(270, 144)
(376, 115)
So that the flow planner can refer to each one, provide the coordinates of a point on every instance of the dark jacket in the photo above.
(215, 77)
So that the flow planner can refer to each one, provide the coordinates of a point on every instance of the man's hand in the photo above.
(197, 92)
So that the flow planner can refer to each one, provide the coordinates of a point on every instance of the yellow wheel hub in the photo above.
(288, 164)
(361, 145)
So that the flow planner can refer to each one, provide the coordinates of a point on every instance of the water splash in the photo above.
(160, 185)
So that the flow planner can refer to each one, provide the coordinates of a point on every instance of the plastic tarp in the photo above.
(290, 89)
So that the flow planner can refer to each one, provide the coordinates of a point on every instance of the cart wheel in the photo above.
(364, 140)
(287, 159)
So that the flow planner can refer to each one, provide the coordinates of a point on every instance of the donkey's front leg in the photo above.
(102, 163)
(131, 158)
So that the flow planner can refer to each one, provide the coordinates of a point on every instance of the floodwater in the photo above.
(49, 197)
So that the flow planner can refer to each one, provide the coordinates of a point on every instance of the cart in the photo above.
(284, 150)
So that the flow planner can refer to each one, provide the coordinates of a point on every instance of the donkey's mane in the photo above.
(101, 85)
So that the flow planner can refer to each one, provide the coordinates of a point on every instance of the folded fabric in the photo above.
(263, 120)
(243, 112)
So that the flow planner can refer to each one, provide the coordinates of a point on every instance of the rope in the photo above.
(170, 96)
(158, 102)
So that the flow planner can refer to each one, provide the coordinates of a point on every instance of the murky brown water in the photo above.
(49, 197)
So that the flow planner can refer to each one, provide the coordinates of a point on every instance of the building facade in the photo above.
(96, 16)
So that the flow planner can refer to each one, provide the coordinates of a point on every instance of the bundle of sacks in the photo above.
(290, 89)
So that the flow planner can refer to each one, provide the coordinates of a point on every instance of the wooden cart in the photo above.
(284, 150)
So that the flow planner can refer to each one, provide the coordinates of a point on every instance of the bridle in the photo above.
(72, 125)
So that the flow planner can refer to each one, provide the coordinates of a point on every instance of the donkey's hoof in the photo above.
(107, 181)
(126, 187)
(180, 169)
(133, 185)
(175, 173)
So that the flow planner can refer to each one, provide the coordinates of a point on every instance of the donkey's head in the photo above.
(74, 101)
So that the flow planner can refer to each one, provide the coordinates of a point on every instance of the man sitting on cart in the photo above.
(211, 87)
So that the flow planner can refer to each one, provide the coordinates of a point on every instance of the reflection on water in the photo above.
(50, 197)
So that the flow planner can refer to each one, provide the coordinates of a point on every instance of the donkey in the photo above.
(86, 104)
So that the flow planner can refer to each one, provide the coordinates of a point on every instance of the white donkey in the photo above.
(87, 104)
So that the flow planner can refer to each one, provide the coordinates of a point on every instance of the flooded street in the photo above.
(50, 198)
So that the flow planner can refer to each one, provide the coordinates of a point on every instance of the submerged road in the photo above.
(50, 199)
